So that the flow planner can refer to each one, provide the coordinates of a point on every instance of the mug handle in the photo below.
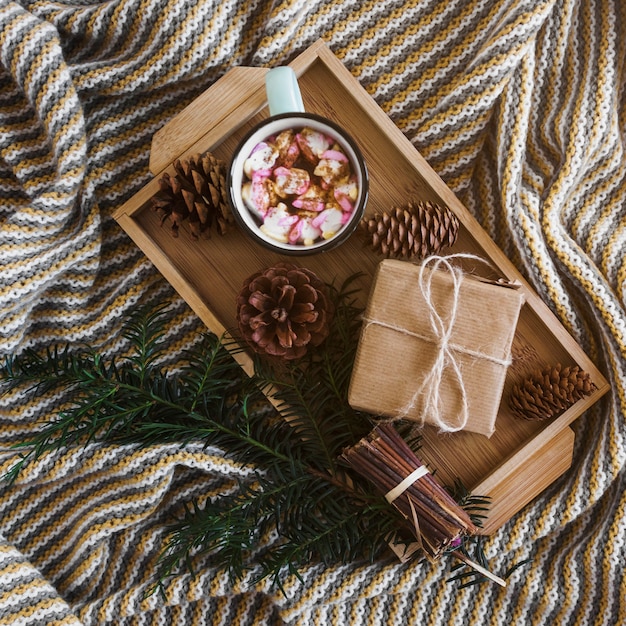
(283, 92)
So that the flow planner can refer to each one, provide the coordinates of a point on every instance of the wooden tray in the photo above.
(522, 458)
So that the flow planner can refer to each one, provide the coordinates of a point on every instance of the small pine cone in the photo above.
(550, 392)
(282, 310)
(197, 192)
(417, 229)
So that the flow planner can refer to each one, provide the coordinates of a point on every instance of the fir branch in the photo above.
(298, 488)
(208, 399)
(473, 547)
(317, 518)
(145, 331)
(133, 400)
(477, 506)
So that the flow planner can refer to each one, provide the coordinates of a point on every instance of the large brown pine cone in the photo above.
(196, 193)
(550, 392)
(282, 310)
(418, 229)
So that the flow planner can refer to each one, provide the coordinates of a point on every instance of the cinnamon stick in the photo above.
(385, 459)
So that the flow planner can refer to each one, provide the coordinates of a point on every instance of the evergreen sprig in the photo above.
(297, 489)
(129, 400)
(473, 547)
(318, 512)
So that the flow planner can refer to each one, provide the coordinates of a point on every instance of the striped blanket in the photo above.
(517, 104)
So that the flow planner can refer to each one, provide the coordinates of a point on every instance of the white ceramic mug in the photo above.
(282, 227)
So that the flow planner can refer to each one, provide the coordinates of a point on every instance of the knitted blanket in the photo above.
(518, 105)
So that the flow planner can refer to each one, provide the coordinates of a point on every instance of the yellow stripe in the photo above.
(66, 621)
(241, 612)
(122, 182)
(199, 611)
(118, 558)
(16, 569)
(306, 597)
(116, 520)
(589, 286)
(551, 211)
(431, 72)
(137, 289)
(200, 44)
(74, 17)
(614, 452)
(541, 525)
(558, 65)
(75, 120)
(177, 35)
(605, 221)
(176, 614)
(129, 78)
(103, 138)
(440, 599)
(288, 47)
(47, 50)
(49, 604)
(607, 550)
(471, 102)
(32, 181)
(602, 88)
(14, 109)
(28, 589)
(536, 160)
(7, 549)
(371, 32)
(445, 60)
(103, 611)
(530, 205)
(403, 582)
(621, 272)
(621, 592)
(453, 135)
(367, 589)
(23, 143)
(517, 134)
(25, 42)
(535, 577)
(73, 256)
(456, 182)
(93, 561)
(112, 23)
(563, 576)
(119, 469)
(33, 162)
(551, 79)
(593, 201)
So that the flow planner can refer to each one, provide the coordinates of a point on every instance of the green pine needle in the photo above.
(298, 490)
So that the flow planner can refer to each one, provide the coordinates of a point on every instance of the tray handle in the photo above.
(205, 112)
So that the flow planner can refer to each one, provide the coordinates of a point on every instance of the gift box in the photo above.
(435, 346)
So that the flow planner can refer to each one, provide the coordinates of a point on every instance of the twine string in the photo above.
(403, 485)
(394, 493)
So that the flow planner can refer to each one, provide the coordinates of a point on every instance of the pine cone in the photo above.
(197, 193)
(550, 392)
(416, 229)
(282, 310)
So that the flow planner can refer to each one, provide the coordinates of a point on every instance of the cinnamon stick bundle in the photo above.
(386, 460)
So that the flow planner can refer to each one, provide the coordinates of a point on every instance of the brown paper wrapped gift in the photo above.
(435, 346)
